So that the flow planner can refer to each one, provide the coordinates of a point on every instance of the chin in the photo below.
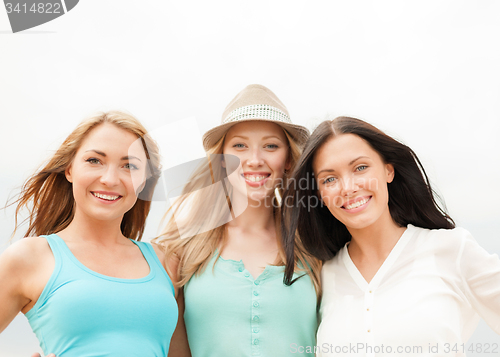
(361, 224)
(104, 216)
(107, 215)
(349, 222)
(260, 197)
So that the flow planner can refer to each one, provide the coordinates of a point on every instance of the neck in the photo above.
(258, 215)
(376, 240)
(86, 229)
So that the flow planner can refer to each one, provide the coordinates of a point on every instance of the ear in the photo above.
(67, 173)
(389, 169)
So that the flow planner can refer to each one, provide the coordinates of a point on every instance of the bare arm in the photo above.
(25, 268)
(179, 346)
(17, 273)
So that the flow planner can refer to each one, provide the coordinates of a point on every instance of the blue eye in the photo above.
(361, 168)
(329, 180)
(239, 146)
(272, 146)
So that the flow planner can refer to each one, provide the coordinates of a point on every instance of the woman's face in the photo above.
(262, 149)
(108, 170)
(352, 181)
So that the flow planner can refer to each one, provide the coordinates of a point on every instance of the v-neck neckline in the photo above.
(386, 265)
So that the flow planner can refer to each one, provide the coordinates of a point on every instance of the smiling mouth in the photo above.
(356, 204)
(256, 178)
(106, 197)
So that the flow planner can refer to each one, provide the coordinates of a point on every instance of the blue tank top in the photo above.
(81, 313)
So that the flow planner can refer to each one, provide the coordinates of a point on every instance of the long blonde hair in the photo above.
(195, 248)
(48, 195)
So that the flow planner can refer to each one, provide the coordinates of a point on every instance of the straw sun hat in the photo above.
(255, 102)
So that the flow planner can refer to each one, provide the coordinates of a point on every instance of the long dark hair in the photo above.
(411, 198)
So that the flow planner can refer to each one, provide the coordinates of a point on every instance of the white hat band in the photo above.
(257, 111)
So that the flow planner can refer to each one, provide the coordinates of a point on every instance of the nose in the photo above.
(349, 186)
(255, 159)
(110, 176)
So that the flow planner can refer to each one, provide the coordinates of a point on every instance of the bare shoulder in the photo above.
(160, 252)
(25, 268)
(26, 253)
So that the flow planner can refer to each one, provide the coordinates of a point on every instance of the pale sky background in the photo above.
(426, 72)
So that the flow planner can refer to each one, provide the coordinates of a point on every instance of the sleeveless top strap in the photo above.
(55, 245)
(153, 261)
(57, 250)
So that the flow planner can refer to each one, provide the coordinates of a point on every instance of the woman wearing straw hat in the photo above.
(232, 268)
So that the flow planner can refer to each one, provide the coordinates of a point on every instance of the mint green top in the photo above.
(228, 313)
(82, 313)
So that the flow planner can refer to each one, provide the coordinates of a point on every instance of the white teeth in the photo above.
(357, 204)
(254, 178)
(105, 197)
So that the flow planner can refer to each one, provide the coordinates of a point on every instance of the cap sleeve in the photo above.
(480, 271)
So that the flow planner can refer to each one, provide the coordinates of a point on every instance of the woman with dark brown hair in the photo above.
(81, 276)
(398, 276)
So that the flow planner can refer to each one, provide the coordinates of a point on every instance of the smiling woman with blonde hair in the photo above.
(80, 276)
(224, 229)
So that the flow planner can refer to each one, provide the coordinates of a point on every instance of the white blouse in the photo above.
(425, 300)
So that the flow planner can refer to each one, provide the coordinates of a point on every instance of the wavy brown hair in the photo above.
(195, 249)
(48, 195)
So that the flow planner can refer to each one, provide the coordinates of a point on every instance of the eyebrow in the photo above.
(264, 138)
(271, 136)
(123, 158)
(350, 163)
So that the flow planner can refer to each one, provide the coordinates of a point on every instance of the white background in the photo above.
(426, 72)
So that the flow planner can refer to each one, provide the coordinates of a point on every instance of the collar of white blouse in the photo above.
(386, 265)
